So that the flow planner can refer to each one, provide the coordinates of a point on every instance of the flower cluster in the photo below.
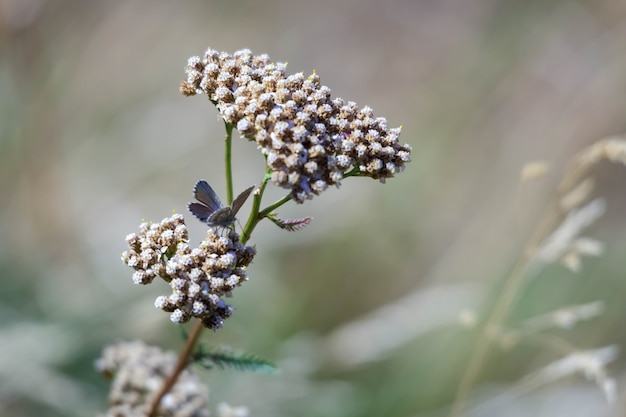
(199, 277)
(310, 140)
(139, 371)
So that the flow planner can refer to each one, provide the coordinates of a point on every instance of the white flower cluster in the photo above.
(139, 371)
(311, 141)
(199, 277)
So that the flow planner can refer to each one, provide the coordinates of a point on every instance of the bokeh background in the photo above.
(366, 311)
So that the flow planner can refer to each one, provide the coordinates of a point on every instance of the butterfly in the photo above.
(210, 209)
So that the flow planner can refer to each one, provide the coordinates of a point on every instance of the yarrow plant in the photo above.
(199, 277)
(139, 371)
(309, 141)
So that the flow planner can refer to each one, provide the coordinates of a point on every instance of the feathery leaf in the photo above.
(224, 357)
(291, 225)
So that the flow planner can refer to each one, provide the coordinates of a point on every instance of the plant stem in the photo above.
(256, 215)
(354, 172)
(183, 360)
(185, 354)
(274, 206)
(228, 162)
(254, 212)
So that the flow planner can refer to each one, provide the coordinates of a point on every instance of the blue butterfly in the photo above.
(210, 209)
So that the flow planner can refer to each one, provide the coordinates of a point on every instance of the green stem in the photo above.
(354, 172)
(263, 213)
(256, 214)
(228, 164)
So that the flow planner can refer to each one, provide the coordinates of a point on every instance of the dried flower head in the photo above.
(310, 140)
(565, 241)
(611, 149)
(590, 363)
(139, 371)
(199, 277)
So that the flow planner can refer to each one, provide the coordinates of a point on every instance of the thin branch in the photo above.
(228, 162)
(183, 360)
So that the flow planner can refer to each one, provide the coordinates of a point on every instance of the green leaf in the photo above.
(291, 225)
(225, 357)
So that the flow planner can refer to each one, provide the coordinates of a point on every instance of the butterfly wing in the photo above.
(201, 211)
(203, 192)
(210, 209)
(225, 216)
(241, 198)
(209, 201)
(221, 218)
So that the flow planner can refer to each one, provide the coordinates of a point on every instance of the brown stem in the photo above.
(183, 360)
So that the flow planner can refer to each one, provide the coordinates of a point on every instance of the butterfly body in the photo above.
(210, 209)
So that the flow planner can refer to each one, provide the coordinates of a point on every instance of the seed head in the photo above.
(311, 140)
(138, 372)
(199, 277)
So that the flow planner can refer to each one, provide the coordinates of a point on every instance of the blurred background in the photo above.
(373, 309)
